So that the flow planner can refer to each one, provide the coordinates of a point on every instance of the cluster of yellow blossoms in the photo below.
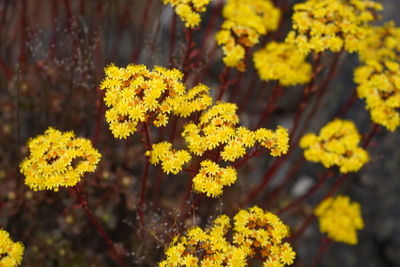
(171, 160)
(134, 94)
(331, 24)
(245, 21)
(218, 128)
(337, 144)
(256, 234)
(378, 78)
(340, 219)
(10, 252)
(282, 62)
(189, 10)
(58, 159)
(380, 43)
(212, 178)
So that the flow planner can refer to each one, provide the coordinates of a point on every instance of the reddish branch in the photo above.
(147, 145)
(84, 204)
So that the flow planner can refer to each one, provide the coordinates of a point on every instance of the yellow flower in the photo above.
(337, 144)
(212, 178)
(189, 10)
(277, 141)
(171, 160)
(380, 43)
(320, 25)
(282, 62)
(340, 219)
(200, 247)
(210, 247)
(58, 159)
(10, 252)
(134, 94)
(378, 76)
(262, 231)
(245, 21)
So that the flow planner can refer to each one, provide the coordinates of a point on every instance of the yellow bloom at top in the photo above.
(340, 219)
(58, 159)
(254, 231)
(282, 62)
(189, 10)
(337, 144)
(320, 25)
(135, 94)
(245, 21)
(258, 231)
(10, 252)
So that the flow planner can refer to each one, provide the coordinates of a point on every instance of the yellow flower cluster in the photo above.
(257, 231)
(378, 78)
(171, 160)
(10, 252)
(254, 231)
(337, 144)
(245, 21)
(282, 62)
(380, 43)
(218, 128)
(340, 219)
(134, 94)
(331, 24)
(189, 10)
(58, 159)
(379, 85)
(212, 178)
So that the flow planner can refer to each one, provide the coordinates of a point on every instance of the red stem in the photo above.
(147, 145)
(323, 88)
(325, 242)
(312, 190)
(275, 192)
(143, 28)
(271, 105)
(224, 82)
(249, 93)
(172, 39)
(186, 61)
(265, 180)
(306, 95)
(84, 204)
(9, 74)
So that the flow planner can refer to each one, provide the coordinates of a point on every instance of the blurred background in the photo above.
(52, 57)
